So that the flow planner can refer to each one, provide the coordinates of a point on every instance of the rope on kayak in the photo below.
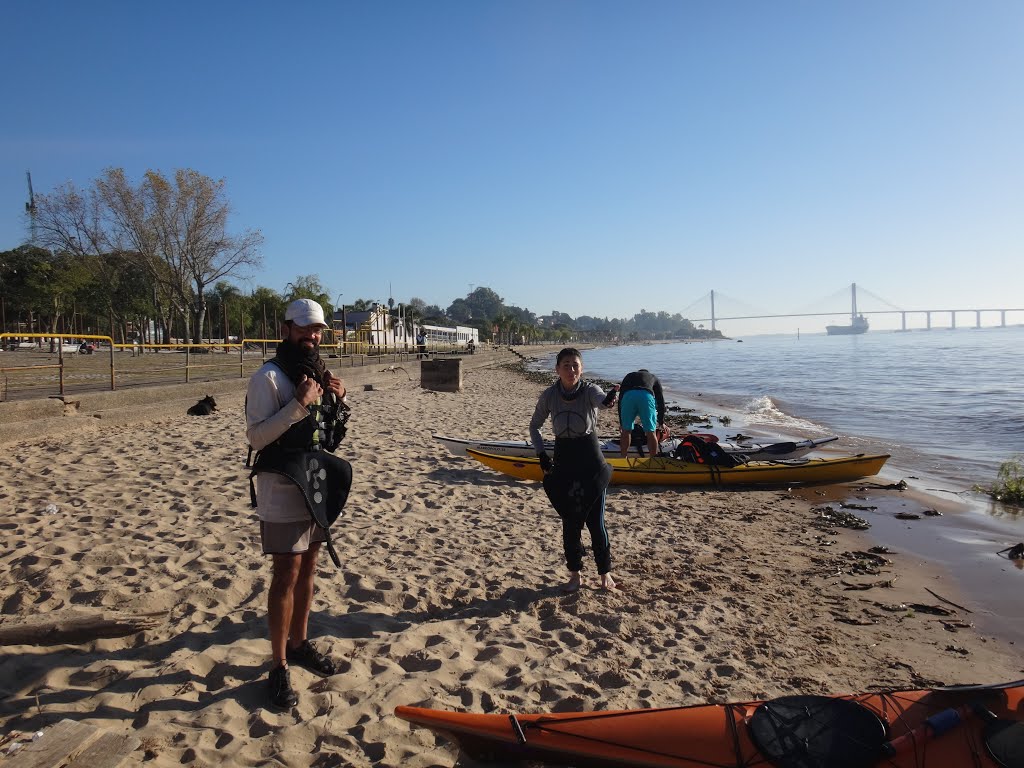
(738, 761)
(893, 709)
(734, 732)
(520, 736)
(716, 475)
(807, 731)
(856, 734)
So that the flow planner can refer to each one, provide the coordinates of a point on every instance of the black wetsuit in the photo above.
(578, 483)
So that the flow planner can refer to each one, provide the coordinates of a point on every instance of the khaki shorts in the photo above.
(290, 538)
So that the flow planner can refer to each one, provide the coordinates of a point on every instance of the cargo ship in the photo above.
(858, 323)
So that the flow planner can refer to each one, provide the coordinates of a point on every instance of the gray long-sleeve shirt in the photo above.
(569, 418)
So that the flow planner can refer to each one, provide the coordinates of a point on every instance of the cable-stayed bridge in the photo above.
(709, 308)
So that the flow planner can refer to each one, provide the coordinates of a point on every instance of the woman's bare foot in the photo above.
(574, 583)
(607, 582)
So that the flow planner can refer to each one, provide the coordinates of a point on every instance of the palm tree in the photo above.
(500, 321)
(227, 295)
(515, 330)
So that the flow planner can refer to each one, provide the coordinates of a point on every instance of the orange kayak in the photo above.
(956, 727)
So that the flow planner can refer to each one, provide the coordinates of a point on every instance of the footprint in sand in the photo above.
(489, 653)
(419, 661)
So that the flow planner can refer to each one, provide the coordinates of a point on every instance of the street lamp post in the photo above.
(377, 321)
(344, 330)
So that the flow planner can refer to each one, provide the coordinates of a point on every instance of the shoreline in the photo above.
(963, 541)
(447, 596)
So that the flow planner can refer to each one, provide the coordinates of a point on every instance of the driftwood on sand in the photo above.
(76, 626)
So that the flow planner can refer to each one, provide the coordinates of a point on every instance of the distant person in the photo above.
(421, 345)
(295, 417)
(641, 398)
(576, 480)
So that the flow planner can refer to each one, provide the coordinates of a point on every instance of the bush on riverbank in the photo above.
(1009, 485)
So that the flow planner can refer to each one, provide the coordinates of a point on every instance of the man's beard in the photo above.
(301, 359)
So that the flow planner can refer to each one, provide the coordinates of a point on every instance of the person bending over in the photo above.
(641, 398)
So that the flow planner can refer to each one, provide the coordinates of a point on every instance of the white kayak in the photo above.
(755, 451)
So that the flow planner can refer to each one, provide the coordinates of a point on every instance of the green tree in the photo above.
(224, 301)
(434, 315)
(484, 304)
(522, 316)
(459, 311)
(414, 313)
(18, 286)
(55, 280)
(122, 290)
(309, 287)
(264, 312)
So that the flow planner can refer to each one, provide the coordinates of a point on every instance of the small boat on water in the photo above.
(954, 727)
(668, 471)
(749, 448)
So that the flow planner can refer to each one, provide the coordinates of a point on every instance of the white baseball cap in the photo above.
(305, 312)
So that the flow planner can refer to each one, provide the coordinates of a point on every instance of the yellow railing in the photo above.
(357, 353)
(189, 365)
(60, 352)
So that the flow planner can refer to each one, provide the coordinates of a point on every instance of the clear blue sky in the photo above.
(587, 157)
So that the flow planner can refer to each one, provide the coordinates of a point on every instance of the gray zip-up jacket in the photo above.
(569, 418)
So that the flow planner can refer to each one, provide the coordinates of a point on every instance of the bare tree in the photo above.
(179, 228)
(72, 221)
(76, 224)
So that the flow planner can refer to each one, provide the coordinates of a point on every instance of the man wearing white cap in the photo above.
(289, 418)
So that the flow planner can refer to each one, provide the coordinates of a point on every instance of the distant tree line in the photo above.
(156, 261)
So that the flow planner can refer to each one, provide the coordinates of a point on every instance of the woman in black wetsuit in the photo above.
(577, 479)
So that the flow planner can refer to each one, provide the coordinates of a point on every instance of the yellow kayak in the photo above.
(667, 471)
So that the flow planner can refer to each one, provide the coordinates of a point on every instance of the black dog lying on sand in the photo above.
(204, 407)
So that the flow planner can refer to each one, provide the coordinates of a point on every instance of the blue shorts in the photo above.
(638, 404)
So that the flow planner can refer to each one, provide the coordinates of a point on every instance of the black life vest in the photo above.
(304, 455)
(696, 450)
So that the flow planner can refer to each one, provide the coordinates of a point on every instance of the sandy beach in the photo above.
(448, 595)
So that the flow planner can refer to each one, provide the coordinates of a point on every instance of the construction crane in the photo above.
(30, 208)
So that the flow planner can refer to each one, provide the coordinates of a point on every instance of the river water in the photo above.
(948, 405)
